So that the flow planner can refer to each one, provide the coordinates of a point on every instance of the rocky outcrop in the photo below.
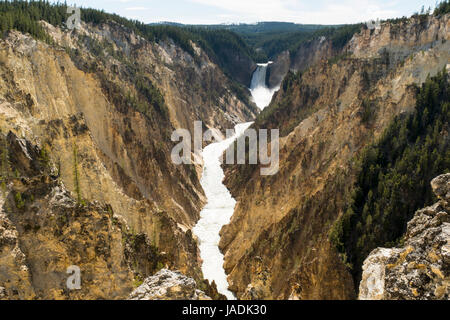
(401, 38)
(277, 243)
(14, 273)
(168, 285)
(397, 38)
(420, 269)
(44, 230)
(306, 55)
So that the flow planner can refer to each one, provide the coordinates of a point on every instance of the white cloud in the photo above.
(325, 12)
(136, 9)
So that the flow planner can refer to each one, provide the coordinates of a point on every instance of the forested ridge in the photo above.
(258, 42)
(269, 38)
(223, 44)
(265, 40)
(442, 8)
(220, 45)
(24, 16)
(272, 38)
(394, 176)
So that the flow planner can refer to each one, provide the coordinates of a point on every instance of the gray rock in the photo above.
(421, 268)
(441, 186)
(168, 285)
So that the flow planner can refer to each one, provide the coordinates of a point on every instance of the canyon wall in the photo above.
(277, 244)
(86, 170)
(306, 55)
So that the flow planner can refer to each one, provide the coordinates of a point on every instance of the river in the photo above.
(220, 204)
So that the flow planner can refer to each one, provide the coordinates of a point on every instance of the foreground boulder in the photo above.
(421, 268)
(168, 285)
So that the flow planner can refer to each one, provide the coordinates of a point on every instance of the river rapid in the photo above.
(220, 204)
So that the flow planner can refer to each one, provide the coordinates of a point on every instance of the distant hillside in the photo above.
(269, 39)
(252, 28)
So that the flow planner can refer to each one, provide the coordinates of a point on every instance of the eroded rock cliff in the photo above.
(306, 55)
(420, 269)
(277, 245)
(86, 170)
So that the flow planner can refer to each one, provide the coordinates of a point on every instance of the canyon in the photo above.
(87, 178)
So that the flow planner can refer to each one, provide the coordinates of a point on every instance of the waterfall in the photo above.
(220, 206)
(262, 95)
(259, 76)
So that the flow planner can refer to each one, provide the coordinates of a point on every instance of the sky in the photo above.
(252, 11)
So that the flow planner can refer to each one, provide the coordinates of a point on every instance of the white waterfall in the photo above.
(262, 95)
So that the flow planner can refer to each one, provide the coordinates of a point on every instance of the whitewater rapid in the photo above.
(220, 206)
(217, 212)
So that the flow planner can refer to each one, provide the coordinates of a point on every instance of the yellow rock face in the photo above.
(103, 150)
(282, 222)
